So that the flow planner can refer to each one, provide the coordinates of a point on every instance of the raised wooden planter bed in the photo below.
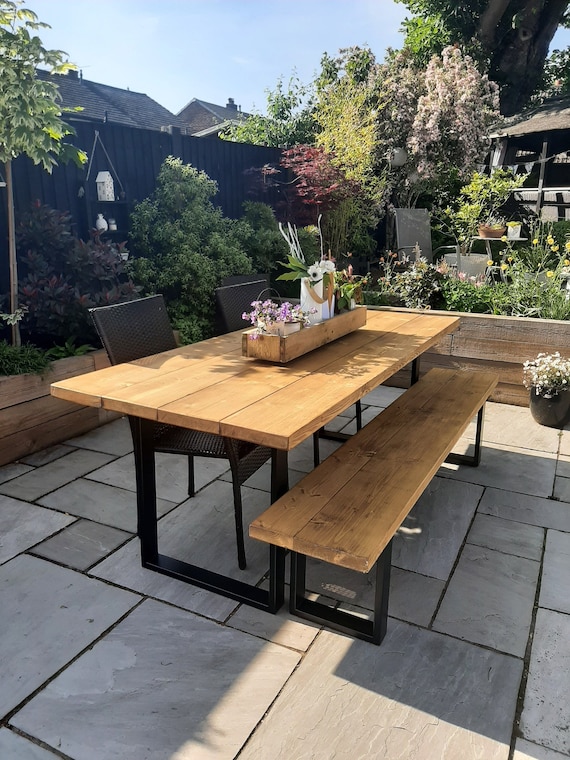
(486, 341)
(31, 419)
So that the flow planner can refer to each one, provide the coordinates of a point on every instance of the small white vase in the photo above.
(514, 232)
(312, 298)
(101, 223)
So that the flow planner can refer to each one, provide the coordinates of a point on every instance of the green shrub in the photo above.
(466, 295)
(184, 246)
(18, 360)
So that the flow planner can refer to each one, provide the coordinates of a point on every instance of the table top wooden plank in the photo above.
(281, 420)
(210, 386)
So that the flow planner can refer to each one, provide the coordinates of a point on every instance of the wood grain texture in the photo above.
(210, 386)
(487, 342)
(346, 510)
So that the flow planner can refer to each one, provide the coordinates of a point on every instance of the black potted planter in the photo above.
(550, 410)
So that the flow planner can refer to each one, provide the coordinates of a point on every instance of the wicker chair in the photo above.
(233, 300)
(135, 329)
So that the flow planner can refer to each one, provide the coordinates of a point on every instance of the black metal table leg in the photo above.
(270, 600)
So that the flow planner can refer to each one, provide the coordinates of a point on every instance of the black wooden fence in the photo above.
(136, 156)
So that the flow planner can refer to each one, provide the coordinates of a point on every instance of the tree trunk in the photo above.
(516, 36)
(16, 339)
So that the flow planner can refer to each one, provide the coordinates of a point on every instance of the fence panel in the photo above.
(136, 156)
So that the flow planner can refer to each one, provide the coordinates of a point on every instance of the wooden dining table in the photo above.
(210, 386)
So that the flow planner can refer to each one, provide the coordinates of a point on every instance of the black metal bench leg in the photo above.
(369, 630)
(471, 461)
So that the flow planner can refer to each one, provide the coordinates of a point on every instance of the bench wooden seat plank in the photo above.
(347, 510)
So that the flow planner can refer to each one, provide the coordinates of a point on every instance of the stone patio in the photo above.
(103, 660)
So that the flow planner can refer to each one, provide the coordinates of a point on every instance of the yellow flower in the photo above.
(504, 238)
(550, 240)
(490, 263)
(510, 259)
(535, 241)
(550, 274)
(566, 263)
(567, 245)
(554, 248)
(504, 266)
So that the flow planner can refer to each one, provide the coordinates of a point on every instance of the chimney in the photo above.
(73, 73)
(231, 104)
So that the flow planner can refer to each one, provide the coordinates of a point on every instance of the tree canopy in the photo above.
(509, 39)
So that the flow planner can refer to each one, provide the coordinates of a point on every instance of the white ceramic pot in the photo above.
(312, 297)
(514, 232)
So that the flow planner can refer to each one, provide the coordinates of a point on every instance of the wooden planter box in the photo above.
(503, 344)
(274, 348)
(31, 419)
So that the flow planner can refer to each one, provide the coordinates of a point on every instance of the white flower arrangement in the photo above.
(548, 374)
(296, 263)
(265, 314)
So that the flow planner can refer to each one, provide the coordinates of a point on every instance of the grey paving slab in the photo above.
(280, 628)
(23, 525)
(112, 438)
(171, 474)
(545, 718)
(34, 484)
(513, 469)
(563, 466)
(562, 488)
(533, 510)
(15, 747)
(489, 599)
(13, 470)
(82, 544)
(527, 751)
(430, 537)
(124, 569)
(507, 536)
(565, 442)
(101, 503)
(202, 530)
(509, 425)
(382, 396)
(187, 688)
(555, 583)
(49, 614)
(45, 456)
(418, 695)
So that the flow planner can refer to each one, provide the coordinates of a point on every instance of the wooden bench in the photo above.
(347, 510)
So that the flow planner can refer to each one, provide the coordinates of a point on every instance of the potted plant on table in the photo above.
(547, 377)
(317, 280)
(348, 287)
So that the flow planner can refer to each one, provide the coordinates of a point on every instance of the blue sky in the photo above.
(176, 50)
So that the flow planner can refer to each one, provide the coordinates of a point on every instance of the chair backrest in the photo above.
(134, 329)
(233, 300)
(413, 226)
